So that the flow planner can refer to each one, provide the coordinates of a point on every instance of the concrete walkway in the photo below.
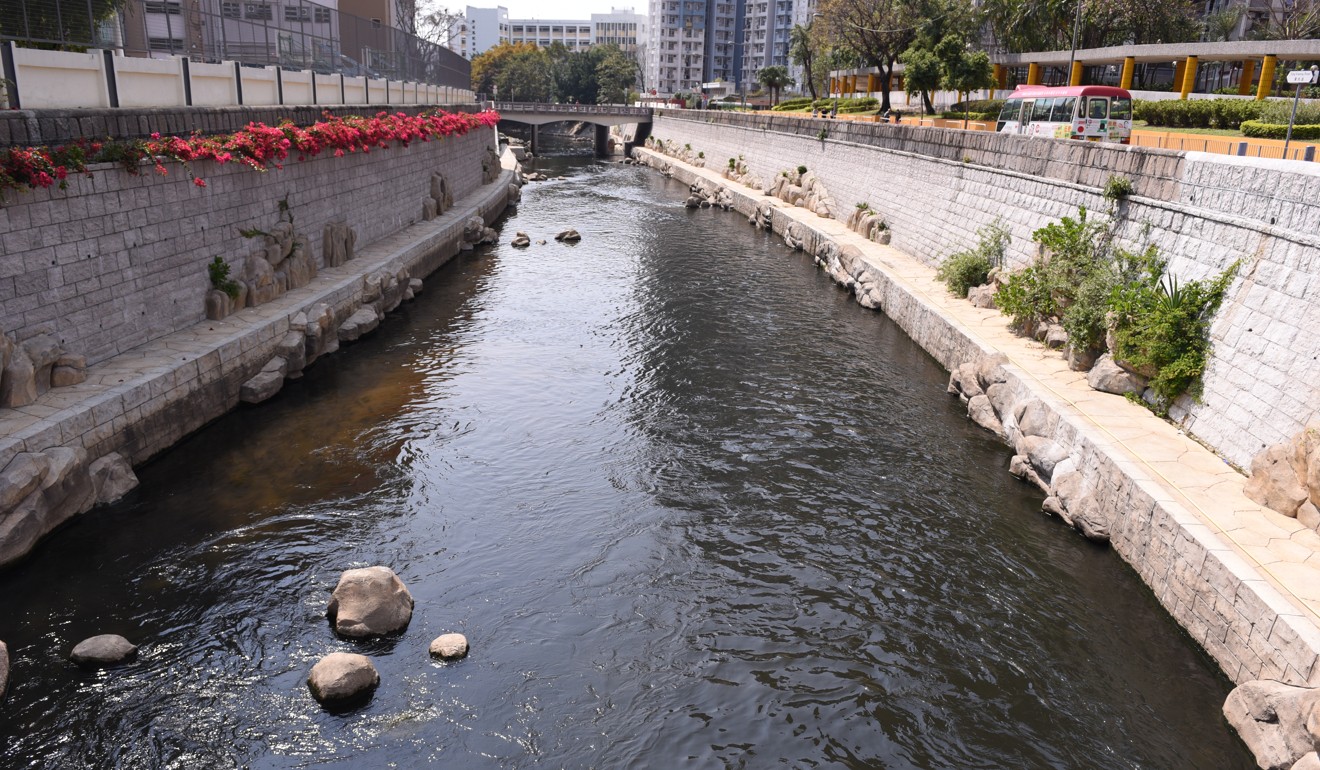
(1181, 473)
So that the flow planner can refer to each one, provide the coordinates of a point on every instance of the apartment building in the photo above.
(479, 30)
(484, 28)
(694, 42)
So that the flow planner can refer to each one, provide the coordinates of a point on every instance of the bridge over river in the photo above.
(602, 116)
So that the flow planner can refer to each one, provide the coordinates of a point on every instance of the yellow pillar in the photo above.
(1178, 69)
(1001, 79)
(872, 83)
(1075, 79)
(1189, 77)
(1266, 77)
(1129, 68)
(1248, 72)
(1033, 74)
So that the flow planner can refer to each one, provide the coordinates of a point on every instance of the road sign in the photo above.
(1301, 77)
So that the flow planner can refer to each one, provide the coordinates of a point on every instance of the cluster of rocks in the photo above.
(1028, 426)
(797, 188)
(367, 603)
(490, 165)
(685, 153)
(318, 331)
(1280, 723)
(283, 262)
(32, 367)
(846, 266)
(763, 217)
(869, 224)
(737, 171)
(1286, 477)
(706, 194)
(522, 240)
(476, 233)
(41, 490)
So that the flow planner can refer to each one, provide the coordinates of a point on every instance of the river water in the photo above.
(691, 505)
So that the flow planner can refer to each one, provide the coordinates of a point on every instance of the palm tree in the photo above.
(774, 78)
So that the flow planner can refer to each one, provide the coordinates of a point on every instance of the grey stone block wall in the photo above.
(118, 260)
(937, 187)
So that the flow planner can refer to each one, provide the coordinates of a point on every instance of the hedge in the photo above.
(805, 104)
(1197, 113)
(1259, 130)
(958, 115)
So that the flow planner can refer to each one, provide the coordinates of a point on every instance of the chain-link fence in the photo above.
(294, 34)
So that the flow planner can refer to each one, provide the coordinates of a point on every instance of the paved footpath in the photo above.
(1181, 473)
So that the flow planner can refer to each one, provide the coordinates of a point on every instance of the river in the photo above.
(692, 506)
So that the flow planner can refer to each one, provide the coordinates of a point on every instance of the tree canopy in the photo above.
(522, 72)
(878, 31)
(774, 79)
(1046, 25)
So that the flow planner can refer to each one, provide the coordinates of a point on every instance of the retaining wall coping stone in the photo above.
(1213, 563)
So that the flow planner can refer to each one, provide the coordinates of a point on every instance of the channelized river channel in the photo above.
(692, 506)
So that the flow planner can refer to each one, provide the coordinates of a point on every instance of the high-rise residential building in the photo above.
(694, 42)
(484, 28)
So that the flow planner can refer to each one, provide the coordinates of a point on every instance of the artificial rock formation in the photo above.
(112, 478)
(1109, 377)
(38, 492)
(342, 678)
(371, 601)
(283, 262)
(1278, 722)
(802, 189)
(34, 366)
(1286, 477)
(337, 241)
(869, 224)
(103, 651)
(475, 233)
(449, 646)
(4, 669)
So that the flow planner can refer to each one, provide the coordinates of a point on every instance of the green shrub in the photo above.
(1259, 130)
(801, 170)
(978, 105)
(1197, 113)
(964, 269)
(957, 115)
(218, 271)
(1162, 327)
(1278, 111)
(1118, 188)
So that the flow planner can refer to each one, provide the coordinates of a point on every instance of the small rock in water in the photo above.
(103, 650)
(342, 677)
(569, 236)
(4, 668)
(449, 646)
(521, 242)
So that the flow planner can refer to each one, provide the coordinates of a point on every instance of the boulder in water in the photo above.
(102, 651)
(371, 601)
(342, 677)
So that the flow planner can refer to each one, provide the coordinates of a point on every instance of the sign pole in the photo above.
(1298, 78)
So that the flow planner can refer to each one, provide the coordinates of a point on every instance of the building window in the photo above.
(162, 7)
(296, 13)
(258, 11)
(165, 44)
(231, 9)
(321, 15)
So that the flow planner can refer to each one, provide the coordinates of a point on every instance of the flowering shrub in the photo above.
(257, 146)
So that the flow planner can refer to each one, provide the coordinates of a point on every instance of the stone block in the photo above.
(112, 477)
(261, 387)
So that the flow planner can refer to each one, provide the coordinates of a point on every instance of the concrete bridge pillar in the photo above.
(602, 141)
(536, 140)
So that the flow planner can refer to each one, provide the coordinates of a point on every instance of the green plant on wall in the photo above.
(964, 269)
(218, 270)
(1162, 327)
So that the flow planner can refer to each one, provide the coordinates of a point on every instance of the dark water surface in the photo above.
(691, 505)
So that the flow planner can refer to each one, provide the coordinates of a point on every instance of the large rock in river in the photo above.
(342, 677)
(371, 601)
(103, 650)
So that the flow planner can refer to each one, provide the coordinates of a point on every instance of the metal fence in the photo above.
(295, 34)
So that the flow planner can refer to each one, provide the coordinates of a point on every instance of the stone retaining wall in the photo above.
(117, 260)
(1247, 625)
(936, 187)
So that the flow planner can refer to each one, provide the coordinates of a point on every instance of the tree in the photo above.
(773, 79)
(615, 74)
(800, 47)
(1046, 25)
(966, 70)
(922, 74)
(878, 30)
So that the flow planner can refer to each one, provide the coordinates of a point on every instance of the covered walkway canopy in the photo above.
(1186, 57)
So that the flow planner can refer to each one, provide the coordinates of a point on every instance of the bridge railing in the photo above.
(579, 109)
